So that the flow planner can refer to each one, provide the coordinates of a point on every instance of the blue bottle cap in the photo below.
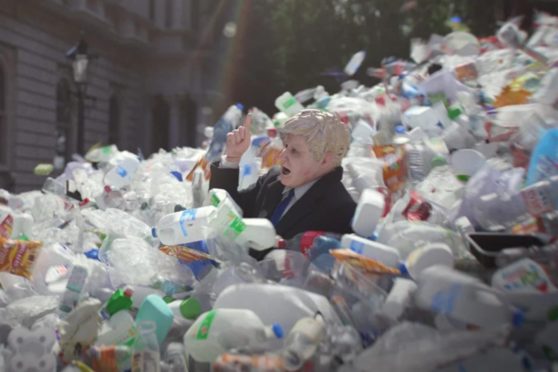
(240, 106)
(177, 175)
(92, 254)
(403, 269)
(277, 330)
(154, 232)
(518, 318)
(400, 129)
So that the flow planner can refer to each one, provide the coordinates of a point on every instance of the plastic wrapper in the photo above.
(18, 256)
(366, 264)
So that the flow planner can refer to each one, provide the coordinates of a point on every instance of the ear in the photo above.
(328, 161)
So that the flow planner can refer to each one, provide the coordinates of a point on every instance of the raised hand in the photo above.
(238, 140)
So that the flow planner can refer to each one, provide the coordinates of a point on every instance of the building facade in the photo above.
(150, 61)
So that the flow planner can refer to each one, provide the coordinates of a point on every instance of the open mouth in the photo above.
(285, 171)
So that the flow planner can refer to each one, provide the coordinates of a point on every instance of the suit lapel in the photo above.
(272, 197)
(301, 209)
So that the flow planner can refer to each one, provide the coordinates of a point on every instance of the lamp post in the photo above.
(80, 61)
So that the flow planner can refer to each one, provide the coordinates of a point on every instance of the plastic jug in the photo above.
(220, 330)
(428, 255)
(463, 298)
(184, 227)
(155, 309)
(118, 329)
(288, 104)
(276, 303)
(123, 172)
(370, 209)
(398, 299)
(377, 251)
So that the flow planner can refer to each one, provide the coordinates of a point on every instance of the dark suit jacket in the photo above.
(326, 206)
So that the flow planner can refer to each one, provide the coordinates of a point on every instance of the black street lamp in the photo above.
(80, 61)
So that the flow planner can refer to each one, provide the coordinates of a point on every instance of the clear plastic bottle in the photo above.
(224, 125)
(146, 349)
(185, 226)
(302, 342)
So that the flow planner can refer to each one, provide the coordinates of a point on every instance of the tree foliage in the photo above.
(297, 44)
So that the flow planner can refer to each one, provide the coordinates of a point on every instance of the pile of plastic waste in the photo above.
(124, 263)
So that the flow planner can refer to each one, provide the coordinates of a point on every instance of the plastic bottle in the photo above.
(220, 330)
(541, 197)
(524, 275)
(258, 234)
(123, 172)
(191, 307)
(302, 341)
(398, 299)
(276, 303)
(401, 137)
(74, 289)
(186, 226)
(175, 358)
(303, 242)
(146, 354)
(156, 310)
(118, 329)
(370, 209)
(385, 254)
(121, 299)
(250, 163)
(463, 298)
(288, 104)
(224, 125)
(429, 255)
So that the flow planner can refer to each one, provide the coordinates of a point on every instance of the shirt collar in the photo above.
(300, 190)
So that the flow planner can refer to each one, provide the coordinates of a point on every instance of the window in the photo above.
(168, 14)
(63, 124)
(152, 10)
(114, 120)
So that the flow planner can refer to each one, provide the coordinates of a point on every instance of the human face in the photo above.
(298, 166)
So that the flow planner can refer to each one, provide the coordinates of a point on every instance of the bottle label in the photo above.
(537, 199)
(205, 326)
(187, 216)
(443, 301)
(289, 102)
(215, 200)
(525, 275)
(357, 247)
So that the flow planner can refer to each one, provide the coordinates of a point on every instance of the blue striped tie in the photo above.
(280, 209)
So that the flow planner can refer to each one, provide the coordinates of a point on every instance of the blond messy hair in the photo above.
(322, 131)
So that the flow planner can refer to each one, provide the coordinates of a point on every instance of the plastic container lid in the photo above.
(400, 129)
(92, 254)
(154, 232)
(190, 308)
(278, 330)
(240, 106)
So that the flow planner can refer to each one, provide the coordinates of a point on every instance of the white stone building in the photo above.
(146, 82)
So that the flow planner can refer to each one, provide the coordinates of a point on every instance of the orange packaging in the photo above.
(18, 256)
(186, 254)
(369, 265)
(395, 167)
